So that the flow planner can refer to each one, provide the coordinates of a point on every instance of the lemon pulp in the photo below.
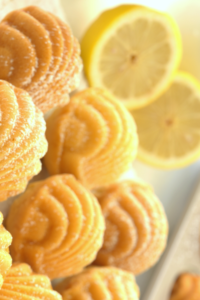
(133, 52)
(169, 128)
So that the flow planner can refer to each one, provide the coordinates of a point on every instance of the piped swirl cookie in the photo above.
(5, 258)
(39, 53)
(21, 283)
(93, 137)
(57, 226)
(186, 287)
(100, 283)
(136, 227)
(22, 141)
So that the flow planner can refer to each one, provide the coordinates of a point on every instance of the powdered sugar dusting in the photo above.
(21, 283)
(23, 143)
(59, 225)
(109, 283)
(49, 63)
(5, 258)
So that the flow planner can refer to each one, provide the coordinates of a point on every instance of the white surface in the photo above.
(51, 5)
(183, 253)
(80, 13)
(174, 189)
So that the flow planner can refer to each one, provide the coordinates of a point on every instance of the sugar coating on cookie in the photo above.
(57, 226)
(186, 287)
(93, 137)
(22, 143)
(136, 227)
(100, 283)
(39, 53)
(21, 283)
(5, 258)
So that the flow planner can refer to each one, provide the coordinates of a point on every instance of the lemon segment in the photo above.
(133, 52)
(169, 128)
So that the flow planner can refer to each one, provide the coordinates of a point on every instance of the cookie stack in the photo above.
(81, 215)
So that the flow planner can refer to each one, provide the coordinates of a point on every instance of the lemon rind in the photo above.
(176, 163)
(101, 29)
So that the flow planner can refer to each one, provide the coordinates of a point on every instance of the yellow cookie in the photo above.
(136, 227)
(57, 226)
(22, 143)
(5, 258)
(93, 137)
(39, 54)
(186, 287)
(100, 283)
(22, 284)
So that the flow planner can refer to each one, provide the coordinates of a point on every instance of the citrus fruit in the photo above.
(133, 52)
(169, 128)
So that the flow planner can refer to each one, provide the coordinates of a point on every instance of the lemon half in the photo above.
(169, 128)
(133, 52)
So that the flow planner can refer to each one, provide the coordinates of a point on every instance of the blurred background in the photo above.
(174, 188)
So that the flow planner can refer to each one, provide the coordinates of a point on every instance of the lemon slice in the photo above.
(132, 51)
(169, 128)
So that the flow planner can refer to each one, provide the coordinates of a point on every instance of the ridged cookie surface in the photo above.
(5, 258)
(136, 227)
(39, 53)
(22, 143)
(93, 137)
(57, 226)
(100, 283)
(22, 284)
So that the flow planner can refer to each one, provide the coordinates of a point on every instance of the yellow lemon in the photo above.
(169, 128)
(133, 52)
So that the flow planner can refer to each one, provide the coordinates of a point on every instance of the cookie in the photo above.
(39, 54)
(93, 137)
(186, 287)
(136, 227)
(22, 143)
(57, 226)
(100, 283)
(21, 283)
(5, 258)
